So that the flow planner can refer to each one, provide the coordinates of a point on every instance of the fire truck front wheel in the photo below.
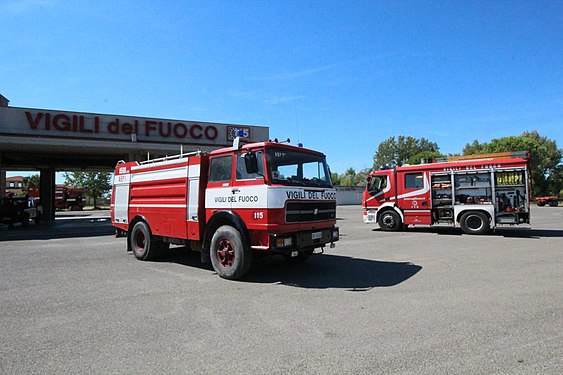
(230, 257)
(144, 246)
(390, 221)
(474, 222)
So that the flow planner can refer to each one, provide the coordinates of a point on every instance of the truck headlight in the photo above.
(335, 234)
(284, 242)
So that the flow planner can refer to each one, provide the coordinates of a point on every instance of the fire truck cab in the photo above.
(476, 192)
(228, 204)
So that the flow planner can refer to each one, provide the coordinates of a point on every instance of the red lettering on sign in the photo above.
(162, 131)
(195, 131)
(61, 122)
(81, 124)
(126, 128)
(113, 127)
(149, 126)
(180, 130)
(33, 122)
(211, 133)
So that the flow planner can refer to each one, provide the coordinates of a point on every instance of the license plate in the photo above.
(317, 235)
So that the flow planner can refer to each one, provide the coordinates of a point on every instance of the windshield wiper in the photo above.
(292, 181)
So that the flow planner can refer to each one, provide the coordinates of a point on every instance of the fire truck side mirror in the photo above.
(251, 162)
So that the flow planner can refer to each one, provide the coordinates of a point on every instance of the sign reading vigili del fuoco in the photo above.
(60, 124)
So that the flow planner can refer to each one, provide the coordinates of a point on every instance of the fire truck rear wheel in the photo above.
(390, 220)
(474, 223)
(553, 203)
(230, 257)
(143, 244)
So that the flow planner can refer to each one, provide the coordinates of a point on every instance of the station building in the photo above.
(48, 141)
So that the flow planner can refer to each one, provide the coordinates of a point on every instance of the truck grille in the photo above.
(309, 211)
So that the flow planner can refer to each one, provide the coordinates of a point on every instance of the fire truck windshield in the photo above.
(289, 167)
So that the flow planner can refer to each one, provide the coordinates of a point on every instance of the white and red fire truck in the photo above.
(475, 192)
(228, 204)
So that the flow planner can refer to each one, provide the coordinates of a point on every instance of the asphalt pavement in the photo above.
(421, 301)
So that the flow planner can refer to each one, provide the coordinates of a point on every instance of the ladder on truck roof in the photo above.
(172, 157)
(494, 155)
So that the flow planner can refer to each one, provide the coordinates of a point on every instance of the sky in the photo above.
(338, 76)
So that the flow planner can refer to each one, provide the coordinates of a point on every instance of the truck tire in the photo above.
(25, 219)
(553, 203)
(474, 222)
(144, 246)
(230, 257)
(390, 221)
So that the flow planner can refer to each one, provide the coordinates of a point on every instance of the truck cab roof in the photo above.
(258, 145)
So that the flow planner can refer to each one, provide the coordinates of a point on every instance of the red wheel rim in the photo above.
(139, 241)
(225, 253)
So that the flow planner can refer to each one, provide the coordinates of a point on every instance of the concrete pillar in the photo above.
(2, 180)
(47, 187)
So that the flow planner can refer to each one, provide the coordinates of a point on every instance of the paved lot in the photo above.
(425, 301)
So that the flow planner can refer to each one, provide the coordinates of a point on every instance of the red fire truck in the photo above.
(475, 192)
(228, 204)
(68, 197)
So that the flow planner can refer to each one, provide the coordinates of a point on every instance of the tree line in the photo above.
(546, 158)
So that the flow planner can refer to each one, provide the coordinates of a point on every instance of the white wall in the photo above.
(349, 195)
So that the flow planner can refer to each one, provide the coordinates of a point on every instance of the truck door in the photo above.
(121, 197)
(234, 189)
(379, 190)
(414, 197)
(249, 192)
(219, 193)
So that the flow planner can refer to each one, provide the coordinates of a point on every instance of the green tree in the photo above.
(95, 184)
(397, 152)
(417, 158)
(473, 149)
(335, 178)
(30, 182)
(351, 178)
(347, 179)
(361, 177)
(545, 160)
(555, 181)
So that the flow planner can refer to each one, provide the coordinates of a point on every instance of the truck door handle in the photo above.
(235, 191)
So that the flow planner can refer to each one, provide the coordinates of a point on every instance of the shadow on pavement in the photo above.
(333, 271)
(91, 227)
(530, 233)
(505, 232)
(319, 272)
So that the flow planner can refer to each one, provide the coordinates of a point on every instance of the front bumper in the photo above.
(304, 240)
(370, 216)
